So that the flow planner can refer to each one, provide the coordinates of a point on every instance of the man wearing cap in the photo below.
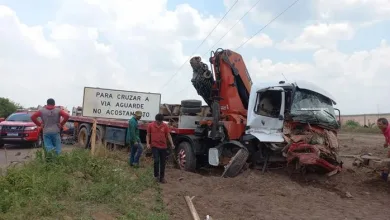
(132, 138)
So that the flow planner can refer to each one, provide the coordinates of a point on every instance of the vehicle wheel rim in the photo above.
(182, 158)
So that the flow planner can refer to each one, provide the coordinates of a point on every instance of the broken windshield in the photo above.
(314, 107)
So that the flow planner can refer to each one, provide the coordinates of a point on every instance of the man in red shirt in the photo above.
(383, 124)
(156, 138)
(51, 123)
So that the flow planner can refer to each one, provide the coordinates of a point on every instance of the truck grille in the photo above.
(7, 128)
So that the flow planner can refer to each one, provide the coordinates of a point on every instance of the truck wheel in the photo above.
(236, 164)
(192, 110)
(191, 103)
(186, 158)
(83, 137)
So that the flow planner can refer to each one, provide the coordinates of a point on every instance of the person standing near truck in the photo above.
(383, 124)
(133, 139)
(156, 138)
(51, 123)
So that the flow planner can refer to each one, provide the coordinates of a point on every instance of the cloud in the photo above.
(359, 79)
(92, 43)
(358, 11)
(260, 41)
(140, 46)
(318, 36)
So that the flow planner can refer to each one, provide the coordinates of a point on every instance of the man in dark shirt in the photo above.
(52, 124)
(156, 138)
(133, 139)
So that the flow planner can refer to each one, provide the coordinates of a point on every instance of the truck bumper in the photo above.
(309, 155)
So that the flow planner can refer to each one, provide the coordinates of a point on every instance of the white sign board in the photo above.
(117, 104)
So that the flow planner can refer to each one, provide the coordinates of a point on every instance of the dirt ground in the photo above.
(356, 193)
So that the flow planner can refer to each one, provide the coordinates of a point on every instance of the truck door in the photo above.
(266, 114)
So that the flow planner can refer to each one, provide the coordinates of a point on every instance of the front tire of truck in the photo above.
(186, 158)
(235, 165)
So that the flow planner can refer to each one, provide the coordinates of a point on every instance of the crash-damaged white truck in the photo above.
(292, 124)
(266, 124)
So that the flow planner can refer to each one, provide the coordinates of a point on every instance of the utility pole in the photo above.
(377, 109)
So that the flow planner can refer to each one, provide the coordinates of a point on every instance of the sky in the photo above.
(55, 48)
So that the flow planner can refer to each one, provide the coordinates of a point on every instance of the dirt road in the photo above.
(352, 194)
(9, 154)
(15, 154)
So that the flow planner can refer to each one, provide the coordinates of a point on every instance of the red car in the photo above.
(19, 129)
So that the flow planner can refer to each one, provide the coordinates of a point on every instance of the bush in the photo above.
(7, 107)
(76, 184)
(352, 124)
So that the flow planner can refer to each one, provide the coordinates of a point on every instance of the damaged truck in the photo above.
(259, 124)
(243, 124)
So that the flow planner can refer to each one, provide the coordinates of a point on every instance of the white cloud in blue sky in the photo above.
(56, 47)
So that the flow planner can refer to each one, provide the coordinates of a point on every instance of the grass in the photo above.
(360, 129)
(76, 185)
(352, 126)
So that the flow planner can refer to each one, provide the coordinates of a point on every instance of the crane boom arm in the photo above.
(229, 86)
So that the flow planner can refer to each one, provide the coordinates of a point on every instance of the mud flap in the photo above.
(235, 165)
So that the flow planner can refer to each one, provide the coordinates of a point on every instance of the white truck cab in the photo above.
(270, 104)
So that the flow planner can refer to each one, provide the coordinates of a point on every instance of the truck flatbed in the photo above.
(124, 124)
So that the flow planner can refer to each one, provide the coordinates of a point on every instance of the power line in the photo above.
(204, 40)
(272, 20)
(246, 13)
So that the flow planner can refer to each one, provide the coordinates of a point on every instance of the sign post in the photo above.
(93, 137)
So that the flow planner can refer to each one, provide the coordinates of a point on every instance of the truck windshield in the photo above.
(19, 117)
(314, 107)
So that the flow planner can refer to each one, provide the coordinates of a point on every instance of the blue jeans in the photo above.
(52, 142)
(135, 153)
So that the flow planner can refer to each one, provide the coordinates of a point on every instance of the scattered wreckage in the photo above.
(262, 123)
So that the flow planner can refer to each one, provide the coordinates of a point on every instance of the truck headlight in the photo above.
(30, 128)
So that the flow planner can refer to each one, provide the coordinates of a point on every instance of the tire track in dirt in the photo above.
(274, 195)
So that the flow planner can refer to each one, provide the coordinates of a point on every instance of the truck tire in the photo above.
(186, 158)
(235, 165)
(82, 137)
(192, 110)
(191, 103)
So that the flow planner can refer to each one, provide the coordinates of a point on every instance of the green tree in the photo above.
(7, 107)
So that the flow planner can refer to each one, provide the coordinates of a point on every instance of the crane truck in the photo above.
(260, 123)
(244, 123)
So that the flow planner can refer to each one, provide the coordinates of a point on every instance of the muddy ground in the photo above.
(356, 193)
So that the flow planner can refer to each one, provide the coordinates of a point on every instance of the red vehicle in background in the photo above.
(19, 129)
